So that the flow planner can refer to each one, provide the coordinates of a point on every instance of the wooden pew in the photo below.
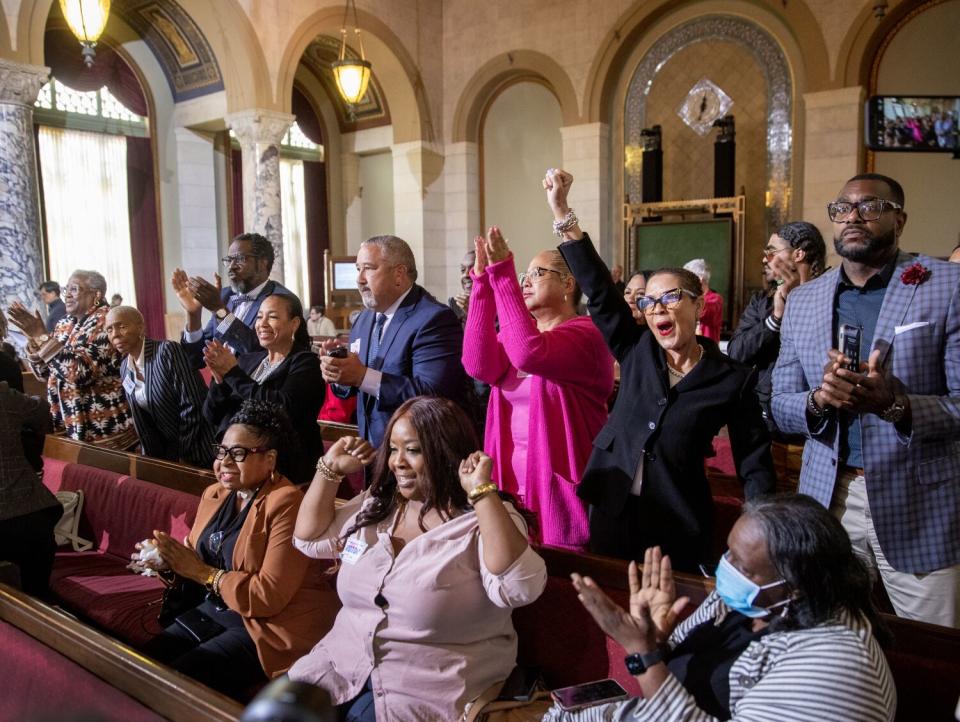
(32, 386)
(332, 430)
(182, 477)
(157, 687)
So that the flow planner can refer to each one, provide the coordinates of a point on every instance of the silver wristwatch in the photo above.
(894, 412)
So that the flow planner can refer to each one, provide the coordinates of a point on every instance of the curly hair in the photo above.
(272, 426)
(260, 246)
(810, 549)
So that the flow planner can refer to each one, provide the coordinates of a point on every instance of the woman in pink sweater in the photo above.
(550, 376)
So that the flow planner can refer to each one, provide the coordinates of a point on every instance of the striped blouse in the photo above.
(835, 671)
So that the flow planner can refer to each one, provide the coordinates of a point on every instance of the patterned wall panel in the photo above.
(765, 80)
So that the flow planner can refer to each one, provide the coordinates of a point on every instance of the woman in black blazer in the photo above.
(286, 372)
(645, 479)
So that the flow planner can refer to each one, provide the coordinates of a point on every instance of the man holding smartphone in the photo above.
(882, 449)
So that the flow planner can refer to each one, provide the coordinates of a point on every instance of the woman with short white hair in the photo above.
(711, 318)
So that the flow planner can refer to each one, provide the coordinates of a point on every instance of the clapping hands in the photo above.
(219, 359)
(491, 249)
(654, 607)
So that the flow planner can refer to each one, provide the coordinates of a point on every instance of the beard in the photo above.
(874, 248)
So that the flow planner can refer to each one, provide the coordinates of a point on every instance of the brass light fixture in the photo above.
(352, 75)
(87, 19)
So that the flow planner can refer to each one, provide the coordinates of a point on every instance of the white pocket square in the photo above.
(897, 330)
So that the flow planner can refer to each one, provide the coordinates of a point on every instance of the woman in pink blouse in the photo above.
(431, 563)
(550, 376)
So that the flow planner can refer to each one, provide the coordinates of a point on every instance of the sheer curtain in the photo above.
(294, 220)
(85, 196)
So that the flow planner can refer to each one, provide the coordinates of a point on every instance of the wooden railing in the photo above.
(161, 689)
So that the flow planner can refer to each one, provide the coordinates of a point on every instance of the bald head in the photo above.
(125, 330)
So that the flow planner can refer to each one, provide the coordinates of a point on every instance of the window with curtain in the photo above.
(294, 220)
(85, 197)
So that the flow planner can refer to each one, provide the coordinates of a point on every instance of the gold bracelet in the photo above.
(211, 578)
(218, 580)
(480, 491)
(326, 473)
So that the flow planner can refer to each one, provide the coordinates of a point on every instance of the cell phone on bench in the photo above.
(579, 696)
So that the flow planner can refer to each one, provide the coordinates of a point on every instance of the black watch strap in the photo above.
(639, 663)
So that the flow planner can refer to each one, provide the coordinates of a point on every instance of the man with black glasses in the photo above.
(882, 448)
(794, 255)
(248, 263)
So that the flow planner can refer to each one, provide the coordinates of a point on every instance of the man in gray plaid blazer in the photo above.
(883, 444)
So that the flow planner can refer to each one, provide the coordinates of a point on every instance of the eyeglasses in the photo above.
(238, 258)
(537, 273)
(770, 251)
(668, 300)
(869, 210)
(237, 453)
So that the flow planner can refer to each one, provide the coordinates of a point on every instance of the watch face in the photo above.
(704, 104)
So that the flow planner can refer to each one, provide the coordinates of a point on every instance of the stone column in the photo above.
(418, 209)
(462, 207)
(586, 154)
(832, 152)
(260, 133)
(21, 249)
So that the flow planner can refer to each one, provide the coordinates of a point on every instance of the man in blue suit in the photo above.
(883, 442)
(404, 344)
(234, 309)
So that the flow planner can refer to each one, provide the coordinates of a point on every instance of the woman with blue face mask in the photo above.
(789, 633)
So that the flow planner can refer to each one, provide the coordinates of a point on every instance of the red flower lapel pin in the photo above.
(914, 274)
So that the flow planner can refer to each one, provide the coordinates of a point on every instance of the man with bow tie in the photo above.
(248, 263)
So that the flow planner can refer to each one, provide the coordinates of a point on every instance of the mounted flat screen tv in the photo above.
(915, 123)
(344, 276)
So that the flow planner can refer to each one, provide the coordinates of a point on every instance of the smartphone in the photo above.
(916, 123)
(849, 345)
(338, 352)
(587, 695)
(520, 685)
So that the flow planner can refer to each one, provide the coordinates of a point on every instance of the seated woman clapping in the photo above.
(432, 562)
(267, 603)
(790, 632)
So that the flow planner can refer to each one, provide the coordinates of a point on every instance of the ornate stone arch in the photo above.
(770, 57)
(504, 70)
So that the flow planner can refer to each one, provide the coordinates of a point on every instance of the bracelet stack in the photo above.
(478, 492)
(568, 222)
(217, 580)
(328, 474)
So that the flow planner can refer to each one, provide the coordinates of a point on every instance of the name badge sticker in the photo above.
(355, 347)
(129, 385)
(353, 550)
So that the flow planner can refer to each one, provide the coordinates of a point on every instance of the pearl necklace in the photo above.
(680, 374)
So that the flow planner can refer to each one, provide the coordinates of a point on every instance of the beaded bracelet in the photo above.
(217, 581)
(326, 473)
(568, 222)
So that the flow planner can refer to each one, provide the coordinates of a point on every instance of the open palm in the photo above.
(656, 591)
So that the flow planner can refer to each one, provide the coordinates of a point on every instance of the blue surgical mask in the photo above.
(739, 593)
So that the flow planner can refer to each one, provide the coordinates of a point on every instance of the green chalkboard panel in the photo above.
(674, 243)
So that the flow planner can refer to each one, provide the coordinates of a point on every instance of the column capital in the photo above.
(260, 125)
(19, 83)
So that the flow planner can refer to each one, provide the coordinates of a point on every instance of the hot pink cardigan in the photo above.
(571, 379)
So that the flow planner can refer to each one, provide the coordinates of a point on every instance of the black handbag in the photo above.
(179, 595)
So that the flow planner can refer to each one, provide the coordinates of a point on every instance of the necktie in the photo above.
(377, 333)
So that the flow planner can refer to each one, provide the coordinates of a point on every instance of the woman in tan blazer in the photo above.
(266, 603)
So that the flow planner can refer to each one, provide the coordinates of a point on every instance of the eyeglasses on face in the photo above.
(770, 251)
(669, 300)
(869, 210)
(238, 258)
(537, 273)
(237, 453)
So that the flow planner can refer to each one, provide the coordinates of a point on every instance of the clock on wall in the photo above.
(704, 104)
